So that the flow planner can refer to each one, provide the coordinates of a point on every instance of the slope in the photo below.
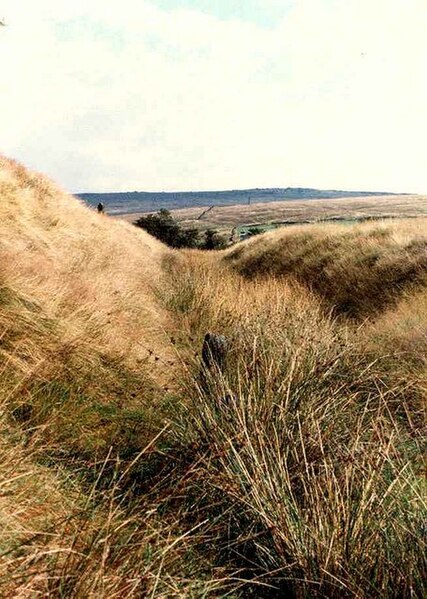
(127, 469)
(84, 359)
(357, 270)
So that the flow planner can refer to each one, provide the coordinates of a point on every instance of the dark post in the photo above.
(214, 351)
(214, 357)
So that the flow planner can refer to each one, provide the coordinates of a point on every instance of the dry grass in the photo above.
(305, 442)
(357, 270)
(126, 472)
(403, 329)
(100, 272)
(78, 294)
(85, 355)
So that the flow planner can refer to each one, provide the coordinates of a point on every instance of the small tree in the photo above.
(163, 226)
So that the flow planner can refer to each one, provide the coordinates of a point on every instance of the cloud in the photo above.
(117, 96)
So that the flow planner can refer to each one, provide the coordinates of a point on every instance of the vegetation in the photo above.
(296, 471)
(356, 270)
(212, 241)
(252, 231)
(307, 442)
(163, 226)
(340, 210)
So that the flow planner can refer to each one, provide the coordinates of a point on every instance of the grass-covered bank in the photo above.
(126, 472)
(357, 270)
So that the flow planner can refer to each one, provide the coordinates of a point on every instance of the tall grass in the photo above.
(129, 470)
(61, 538)
(303, 446)
(357, 270)
(88, 383)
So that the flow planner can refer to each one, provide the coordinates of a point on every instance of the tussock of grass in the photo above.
(304, 443)
(128, 471)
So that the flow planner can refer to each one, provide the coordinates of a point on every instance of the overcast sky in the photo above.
(116, 95)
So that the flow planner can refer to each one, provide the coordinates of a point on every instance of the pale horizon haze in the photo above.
(169, 95)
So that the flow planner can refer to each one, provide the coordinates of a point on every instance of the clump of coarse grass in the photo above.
(301, 446)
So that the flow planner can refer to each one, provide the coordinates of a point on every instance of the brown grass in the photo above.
(357, 270)
(309, 440)
(85, 355)
(100, 272)
(298, 471)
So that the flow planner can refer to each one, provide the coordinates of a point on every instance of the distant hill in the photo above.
(143, 201)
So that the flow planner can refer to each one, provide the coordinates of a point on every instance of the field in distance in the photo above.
(240, 216)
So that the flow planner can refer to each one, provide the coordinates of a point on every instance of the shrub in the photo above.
(163, 226)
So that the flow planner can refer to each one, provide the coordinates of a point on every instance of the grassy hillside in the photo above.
(128, 470)
(78, 294)
(84, 359)
(356, 270)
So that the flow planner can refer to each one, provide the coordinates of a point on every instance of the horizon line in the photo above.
(247, 189)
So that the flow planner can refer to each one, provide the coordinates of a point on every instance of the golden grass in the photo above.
(85, 357)
(92, 263)
(78, 294)
(403, 328)
(125, 471)
(357, 270)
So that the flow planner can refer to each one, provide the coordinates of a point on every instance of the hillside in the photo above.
(356, 270)
(82, 343)
(77, 267)
(121, 203)
(128, 469)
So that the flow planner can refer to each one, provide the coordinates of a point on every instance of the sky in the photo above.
(163, 95)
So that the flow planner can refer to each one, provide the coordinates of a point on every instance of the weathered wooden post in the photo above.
(214, 355)
(214, 351)
(214, 358)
